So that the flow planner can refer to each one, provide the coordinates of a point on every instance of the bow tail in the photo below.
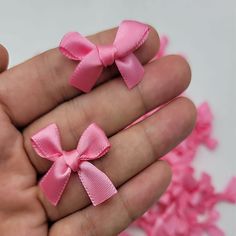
(54, 181)
(87, 72)
(130, 69)
(97, 185)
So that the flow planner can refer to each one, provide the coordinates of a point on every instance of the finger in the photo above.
(112, 106)
(3, 58)
(115, 215)
(44, 79)
(132, 150)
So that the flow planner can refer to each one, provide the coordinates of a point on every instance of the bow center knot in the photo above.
(72, 159)
(107, 54)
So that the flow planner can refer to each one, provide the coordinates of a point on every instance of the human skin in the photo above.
(36, 93)
(3, 58)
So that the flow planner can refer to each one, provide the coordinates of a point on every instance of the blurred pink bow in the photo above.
(93, 58)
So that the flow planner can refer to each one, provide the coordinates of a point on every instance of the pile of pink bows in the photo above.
(188, 206)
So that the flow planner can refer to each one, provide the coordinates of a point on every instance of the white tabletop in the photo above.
(205, 31)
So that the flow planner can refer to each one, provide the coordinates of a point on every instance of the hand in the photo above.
(36, 93)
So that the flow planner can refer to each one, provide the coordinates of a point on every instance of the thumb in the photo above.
(3, 58)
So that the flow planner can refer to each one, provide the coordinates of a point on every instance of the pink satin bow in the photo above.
(92, 145)
(93, 58)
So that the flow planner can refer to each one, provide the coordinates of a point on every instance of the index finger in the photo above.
(36, 86)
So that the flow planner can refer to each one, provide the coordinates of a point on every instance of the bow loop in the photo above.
(47, 143)
(130, 36)
(75, 47)
(93, 143)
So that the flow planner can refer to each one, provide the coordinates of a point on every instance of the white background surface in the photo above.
(205, 31)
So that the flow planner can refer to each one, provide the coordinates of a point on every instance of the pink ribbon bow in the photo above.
(130, 36)
(92, 145)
